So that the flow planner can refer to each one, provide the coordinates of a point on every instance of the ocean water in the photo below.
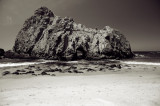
(145, 58)
(141, 58)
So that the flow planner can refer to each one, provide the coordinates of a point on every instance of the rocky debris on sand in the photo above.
(45, 35)
(56, 68)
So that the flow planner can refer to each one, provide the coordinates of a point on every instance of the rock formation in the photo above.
(45, 35)
(1, 53)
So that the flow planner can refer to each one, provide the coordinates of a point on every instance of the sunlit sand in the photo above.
(136, 85)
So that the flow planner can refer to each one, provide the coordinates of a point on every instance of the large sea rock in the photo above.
(45, 35)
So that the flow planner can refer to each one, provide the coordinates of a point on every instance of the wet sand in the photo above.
(130, 85)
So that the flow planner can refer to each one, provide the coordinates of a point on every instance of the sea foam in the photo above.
(141, 63)
(24, 63)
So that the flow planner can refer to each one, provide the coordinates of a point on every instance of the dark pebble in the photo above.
(17, 73)
(90, 69)
(119, 66)
(53, 75)
(5, 73)
(69, 71)
(44, 73)
(112, 66)
(30, 72)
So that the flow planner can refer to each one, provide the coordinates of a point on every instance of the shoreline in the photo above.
(42, 61)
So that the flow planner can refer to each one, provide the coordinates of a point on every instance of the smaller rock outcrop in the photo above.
(13, 55)
(1, 53)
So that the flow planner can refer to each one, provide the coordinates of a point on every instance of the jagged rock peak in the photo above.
(108, 29)
(44, 11)
(45, 35)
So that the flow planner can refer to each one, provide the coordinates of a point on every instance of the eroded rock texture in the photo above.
(45, 35)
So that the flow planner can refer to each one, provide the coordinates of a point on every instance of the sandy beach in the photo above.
(132, 85)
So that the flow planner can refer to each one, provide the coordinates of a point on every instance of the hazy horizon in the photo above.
(138, 20)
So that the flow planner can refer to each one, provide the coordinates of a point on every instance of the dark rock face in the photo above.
(45, 35)
(13, 55)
